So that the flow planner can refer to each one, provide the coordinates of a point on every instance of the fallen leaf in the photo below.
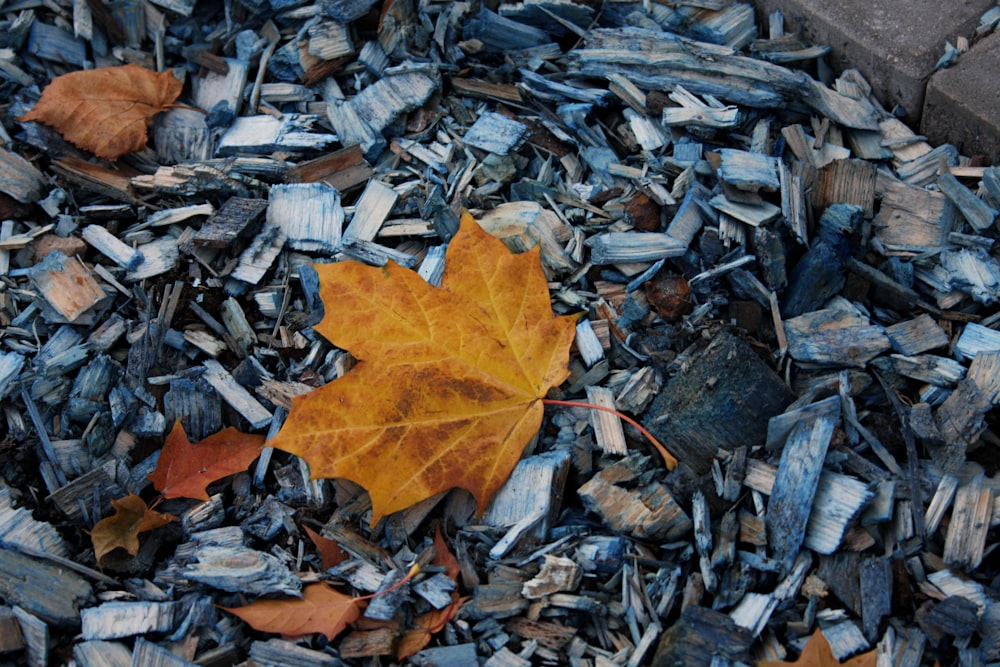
(321, 609)
(448, 388)
(426, 626)
(185, 469)
(817, 653)
(107, 110)
(330, 553)
(444, 558)
(122, 529)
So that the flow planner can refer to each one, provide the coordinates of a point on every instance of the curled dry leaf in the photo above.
(444, 558)
(426, 626)
(106, 111)
(321, 609)
(185, 469)
(448, 389)
(330, 553)
(817, 653)
(122, 529)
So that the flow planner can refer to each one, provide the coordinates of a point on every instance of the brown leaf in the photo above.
(426, 626)
(448, 390)
(106, 111)
(185, 469)
(817, 653)
(444, 558)
(321, 609)
(122, 529)
(330, 552)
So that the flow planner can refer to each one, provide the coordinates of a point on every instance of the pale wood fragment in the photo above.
(536, 483)
(752, 214)
(976, 338)
(113, 620)
(214, 91)
(276, 652)
(67, 285)
(795, 487)
(264, 134)
(255, 261)
(931, 368)
(158, 257)
(111, 247)
(608, 434)
(309, 215)
(19, 178)
(917, 335)
(976, 212)
(523, 225)
(834, 337)
(748, 171)
(370, 212)
(965, 540)
(234, 394)
(626, 247)
(648, 510)
(99, 653)
(28, 583)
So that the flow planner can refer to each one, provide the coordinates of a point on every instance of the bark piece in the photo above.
(29, 583)
(708, 406)
(699, 637)
(648, 510)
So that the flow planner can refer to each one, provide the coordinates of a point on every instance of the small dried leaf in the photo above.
(817, 653)
(448, 388)
(426, 626)
(122, 529)
(330, 552)
(321, 609)
(444, 558)
(185, 469)
(106, 111)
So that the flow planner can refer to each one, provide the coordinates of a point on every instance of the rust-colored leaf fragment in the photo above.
(448, 388)
(444, 558)
(122, 529)
(321, 609)
(185, 469)
(817, 653)
(426, 626)
(106, 111)
(330, 553)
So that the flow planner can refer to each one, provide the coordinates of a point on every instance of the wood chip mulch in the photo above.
(786, 285)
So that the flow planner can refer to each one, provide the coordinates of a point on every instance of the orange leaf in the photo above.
(122, 529)
(427, 625)
(106, 111)
(817, 653)
(448, 389)
(321, 609)
(185, 469)
(330, 553)
(444, 558)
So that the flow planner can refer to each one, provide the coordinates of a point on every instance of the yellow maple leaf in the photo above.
(448, 388)
(817, 653)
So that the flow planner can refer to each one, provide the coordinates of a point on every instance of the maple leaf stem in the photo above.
(668, 458)
(184, 106)
(414, 571)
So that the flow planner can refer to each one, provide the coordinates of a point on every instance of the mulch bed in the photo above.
(788, 287)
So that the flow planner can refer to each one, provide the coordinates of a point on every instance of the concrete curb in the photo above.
(896, 44)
